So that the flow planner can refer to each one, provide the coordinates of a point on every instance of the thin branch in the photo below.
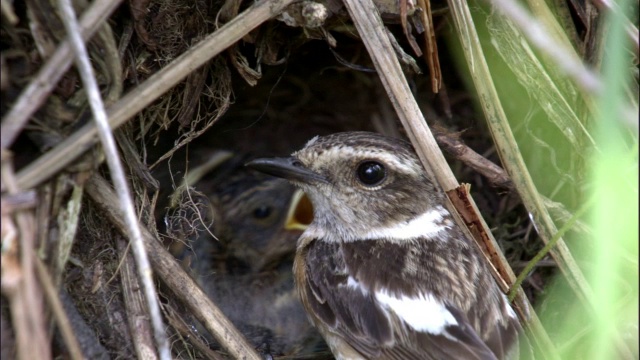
(454, 146)
(50, 73)
(7, 10)
(496, 175)
(431, 54)
(19, 282)
(186, 332)
(137, 315)
(508, 148)
(172, 274)
(117, 173)
(58, 311)
(147, 92)
(512, 159)
(367, 20)
(372, 31)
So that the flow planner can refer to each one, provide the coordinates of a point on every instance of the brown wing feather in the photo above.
(349, 309)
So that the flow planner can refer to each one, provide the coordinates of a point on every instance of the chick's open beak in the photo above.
(300, 212)
(288, 168)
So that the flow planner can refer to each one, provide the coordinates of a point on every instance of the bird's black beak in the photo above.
(288, 168)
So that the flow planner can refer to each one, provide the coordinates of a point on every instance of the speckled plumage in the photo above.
(373, 283)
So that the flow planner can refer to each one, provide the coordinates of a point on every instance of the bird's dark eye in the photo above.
(371, 173)
(262, 212)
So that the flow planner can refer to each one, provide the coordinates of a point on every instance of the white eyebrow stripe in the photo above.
(386, 158)
(428, 224)
(422, 313)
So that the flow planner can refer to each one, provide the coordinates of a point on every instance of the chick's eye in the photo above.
(262, 212)
(371, 173)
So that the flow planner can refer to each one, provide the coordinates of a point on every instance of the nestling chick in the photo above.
(251, 222)
(247, 270)
(383, 271)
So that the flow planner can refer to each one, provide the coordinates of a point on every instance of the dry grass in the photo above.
(181, 79)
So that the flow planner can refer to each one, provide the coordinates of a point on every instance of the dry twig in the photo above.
(512, 159)
(117, 174)
(58, 311)
(496, 175)
(174, 276)
(19, 282)
(186, 331)
(451, 144)
(431, 46)
(137, 316)
(48, 76)
(143, 95)
(505, 142)
(371, 31)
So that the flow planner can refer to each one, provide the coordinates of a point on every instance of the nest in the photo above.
(192, 89)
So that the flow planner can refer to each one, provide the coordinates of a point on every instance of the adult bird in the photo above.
(383, 271)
